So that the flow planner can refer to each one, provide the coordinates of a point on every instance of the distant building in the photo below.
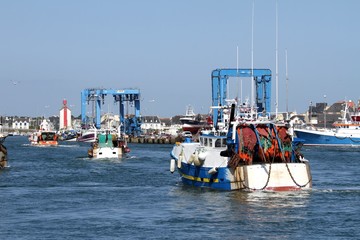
(20, 123)
(151, 124)
(76, 123)
(55, 121)
(110, 121)
(167, 127)
(322, 115)
(46, 125)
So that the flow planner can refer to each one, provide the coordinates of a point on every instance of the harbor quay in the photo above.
(154, 140)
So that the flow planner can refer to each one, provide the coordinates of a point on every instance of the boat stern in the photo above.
(275, 177)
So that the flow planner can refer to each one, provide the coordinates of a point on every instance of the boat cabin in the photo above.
(212, 141)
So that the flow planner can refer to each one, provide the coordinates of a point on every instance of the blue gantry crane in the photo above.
(129, 125)
(261, 78)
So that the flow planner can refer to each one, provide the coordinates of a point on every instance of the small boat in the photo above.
(44, 138)
(344, 133)
(88, 135)
(68, 135)
(108, 145)
(3, 151)
(192, 122)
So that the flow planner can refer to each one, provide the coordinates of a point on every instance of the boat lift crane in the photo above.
(262, 81)
(97, 95)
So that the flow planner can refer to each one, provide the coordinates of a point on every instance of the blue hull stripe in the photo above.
(199, 177)
(318, 139)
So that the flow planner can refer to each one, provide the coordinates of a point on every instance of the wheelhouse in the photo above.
(212, 141)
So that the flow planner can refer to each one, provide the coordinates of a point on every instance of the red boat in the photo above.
(44, 138)
(192, 122)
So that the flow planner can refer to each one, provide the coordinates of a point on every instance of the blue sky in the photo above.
(51, 50)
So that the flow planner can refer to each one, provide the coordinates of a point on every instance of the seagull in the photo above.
(15, 82)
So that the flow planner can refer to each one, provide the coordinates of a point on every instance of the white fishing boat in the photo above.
(108, 145)
(346, 132)
(249, 153)
(255, 155)
(68, 135)
(88, 135)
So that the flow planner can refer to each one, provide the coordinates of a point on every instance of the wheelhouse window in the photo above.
(221, 142)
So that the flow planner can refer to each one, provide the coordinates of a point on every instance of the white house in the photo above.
(20, 123)
(46, 125)
(150, 124)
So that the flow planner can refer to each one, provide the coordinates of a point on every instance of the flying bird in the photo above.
(15, 82)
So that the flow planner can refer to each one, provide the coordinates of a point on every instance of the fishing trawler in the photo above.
(108, 145)
(345, 132)
(44, 136)
(245, 150)
(192, 122)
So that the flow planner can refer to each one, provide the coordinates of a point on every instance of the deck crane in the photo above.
(97, 95)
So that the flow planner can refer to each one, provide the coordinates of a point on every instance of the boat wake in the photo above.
(69, 146)
(40, 146)
(338, 190)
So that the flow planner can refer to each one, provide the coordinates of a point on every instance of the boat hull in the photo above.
(329, 138)
(89, 138)
(194, 127)
(274, 177)
(106, 152)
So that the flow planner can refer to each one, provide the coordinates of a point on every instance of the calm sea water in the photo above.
(58, 193)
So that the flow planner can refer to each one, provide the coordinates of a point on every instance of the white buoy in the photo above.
(213, 170)
(172, 165)
(191, 158)
(202, 156)
(197, 161)
(179, 161)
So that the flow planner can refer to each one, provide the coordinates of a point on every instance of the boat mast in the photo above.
(276, 64)
(237, 69)
(237, 73)
(252, 59)
(287, 83)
